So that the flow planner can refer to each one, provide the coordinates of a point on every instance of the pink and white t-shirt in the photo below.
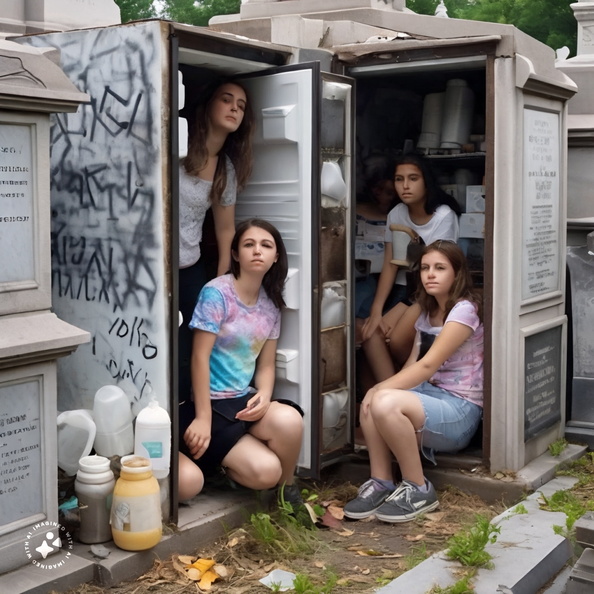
(462, 374)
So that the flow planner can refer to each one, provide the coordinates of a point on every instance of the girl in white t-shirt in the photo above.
(433, 214)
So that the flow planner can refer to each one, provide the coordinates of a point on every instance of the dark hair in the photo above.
(461, 289)
(238, 145)
(274, 280)
(435, 196)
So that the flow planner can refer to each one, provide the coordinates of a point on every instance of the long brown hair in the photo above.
(238, 145)
(462, 288)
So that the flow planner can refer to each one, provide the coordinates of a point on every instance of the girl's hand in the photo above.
(366, 403)
(255, 409)
(197, 437)
(370, 326)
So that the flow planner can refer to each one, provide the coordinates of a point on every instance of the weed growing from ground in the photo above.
(462, 586)
(557, 447)
(468, 546)
(302, 584)
(417, 555)
(582, 469)
(570, 505)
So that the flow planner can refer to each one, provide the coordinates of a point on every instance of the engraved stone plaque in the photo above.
(21, 495)
(541, 233)
(16, 204)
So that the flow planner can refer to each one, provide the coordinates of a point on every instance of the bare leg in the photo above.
(402, 335)
(380, 457)
(396, 415)
(268, 455)
(281, 429)
(191, 479)
(378, 356)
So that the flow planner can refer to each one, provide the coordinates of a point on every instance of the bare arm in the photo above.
(197, 435)
(224, 222)
(384, 286)
(449, 340)
(415, 372)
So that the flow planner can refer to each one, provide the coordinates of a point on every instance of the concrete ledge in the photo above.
(204, 519)
(529, 537)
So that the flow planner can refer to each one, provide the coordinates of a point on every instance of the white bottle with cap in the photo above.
(152, 437)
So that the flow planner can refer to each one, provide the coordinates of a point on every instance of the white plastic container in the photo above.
(152, 438)
(457, 114)
(76, 434)
(113, 418)
(94, 486)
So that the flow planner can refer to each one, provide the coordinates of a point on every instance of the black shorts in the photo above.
(226, 430)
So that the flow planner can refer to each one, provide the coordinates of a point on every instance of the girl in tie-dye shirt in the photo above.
(232, 421)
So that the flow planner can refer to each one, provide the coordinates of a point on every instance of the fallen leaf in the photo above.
(202, 565)
(415, 538)
(208, 577)
(346, 532)
(186, 559)
(193, 574)
(320, 565)
(312, 514)
(222, 571)
(330, 521)
(369, 553)
(336, 512)
(366, 571)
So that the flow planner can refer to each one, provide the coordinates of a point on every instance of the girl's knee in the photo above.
(190, 479)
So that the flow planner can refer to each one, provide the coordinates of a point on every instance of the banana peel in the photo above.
(202, 571)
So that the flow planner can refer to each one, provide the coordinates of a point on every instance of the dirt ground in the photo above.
(356, 556)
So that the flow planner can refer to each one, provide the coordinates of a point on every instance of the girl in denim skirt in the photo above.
(435, 402)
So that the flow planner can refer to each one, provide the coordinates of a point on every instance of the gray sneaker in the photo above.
(370, 496)
(406, 503)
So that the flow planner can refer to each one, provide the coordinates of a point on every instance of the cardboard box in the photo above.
(475, 198)
(472, 224)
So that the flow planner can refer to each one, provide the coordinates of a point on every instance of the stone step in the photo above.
(526, 555)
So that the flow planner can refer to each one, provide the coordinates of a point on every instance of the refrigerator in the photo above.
(114, 179)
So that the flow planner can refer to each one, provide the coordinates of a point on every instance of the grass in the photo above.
(468, 545)
(462, 586)
(557, 447)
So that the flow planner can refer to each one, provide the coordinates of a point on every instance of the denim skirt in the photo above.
(450, 421)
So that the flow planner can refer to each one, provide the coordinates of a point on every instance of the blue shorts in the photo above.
(450, 421)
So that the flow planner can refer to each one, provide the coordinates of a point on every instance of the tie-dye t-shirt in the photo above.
(462, 373)
(241, 333)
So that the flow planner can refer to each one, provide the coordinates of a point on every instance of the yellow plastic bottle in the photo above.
(136, 506)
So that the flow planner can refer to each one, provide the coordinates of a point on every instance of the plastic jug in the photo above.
(113, 418)
(76, 434)
(152, 437)
(94, 486)
(136, 506)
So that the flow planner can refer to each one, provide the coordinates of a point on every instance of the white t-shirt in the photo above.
(194, 201)
(442, 225)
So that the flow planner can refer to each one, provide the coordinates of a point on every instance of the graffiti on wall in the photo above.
(108, 263)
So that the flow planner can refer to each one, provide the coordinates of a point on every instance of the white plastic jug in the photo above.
(152, 437)
(76, 434)
(113, 418)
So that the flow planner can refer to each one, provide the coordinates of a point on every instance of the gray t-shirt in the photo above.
(194, 201)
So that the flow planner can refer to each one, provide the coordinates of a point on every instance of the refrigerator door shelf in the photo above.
(287, 365)
(279, 124)
(291, 293)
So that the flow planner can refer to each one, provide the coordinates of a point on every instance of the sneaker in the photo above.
(406, 503)
(370, 496)
(291, 494)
